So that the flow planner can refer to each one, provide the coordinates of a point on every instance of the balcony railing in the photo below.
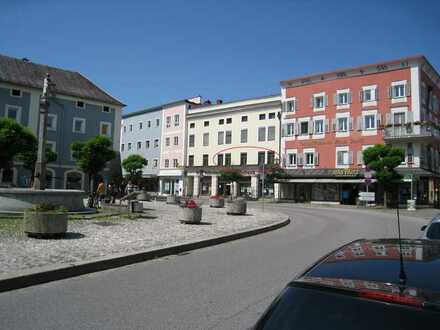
(411, 131)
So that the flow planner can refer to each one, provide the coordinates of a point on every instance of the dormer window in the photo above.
(105, 109)
(16, 92)
(80, 104)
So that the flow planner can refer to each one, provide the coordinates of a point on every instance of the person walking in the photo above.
(100, 193)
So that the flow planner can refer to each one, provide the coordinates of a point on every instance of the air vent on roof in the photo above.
(219, 101)
(25, 59)
(207, 102)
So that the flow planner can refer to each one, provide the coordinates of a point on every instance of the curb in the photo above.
(58, 272)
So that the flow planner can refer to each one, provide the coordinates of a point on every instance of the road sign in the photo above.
(367, 196)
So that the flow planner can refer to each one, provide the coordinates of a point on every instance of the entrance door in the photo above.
(303, 192)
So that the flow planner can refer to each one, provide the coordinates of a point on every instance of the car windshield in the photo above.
(300, 308)
(434, 231)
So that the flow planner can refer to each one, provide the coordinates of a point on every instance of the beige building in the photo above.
(242, 134)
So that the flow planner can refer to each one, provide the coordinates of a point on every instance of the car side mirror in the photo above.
(423, 227)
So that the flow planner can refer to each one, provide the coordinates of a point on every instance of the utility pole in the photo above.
(40, 166)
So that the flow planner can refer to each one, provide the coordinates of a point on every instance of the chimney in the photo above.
(219, 101)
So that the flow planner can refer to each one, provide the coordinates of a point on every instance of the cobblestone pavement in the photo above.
(88, 239)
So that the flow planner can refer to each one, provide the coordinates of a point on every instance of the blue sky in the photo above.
(150, 52)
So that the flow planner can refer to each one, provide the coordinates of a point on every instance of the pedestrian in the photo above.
(129, 188)
(100, 193)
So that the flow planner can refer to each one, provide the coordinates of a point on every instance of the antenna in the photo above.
(402, 274)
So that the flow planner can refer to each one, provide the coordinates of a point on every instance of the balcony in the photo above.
(411, 132)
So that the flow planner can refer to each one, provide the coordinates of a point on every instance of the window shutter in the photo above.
(350, 157)
(326, 100)
(409, 117)
(334, 125)
(316, 158)
(390, 92)
(295, 105)
(360, 158)
(361, 96)
(312, 102)
(359, 123)
(310, 127)
(350, 123)
(349, 98)
(376, 94)
(335, 99)
(327, 125)
(283, 130)
(378, 120)
(408, 89)
(295, 128)
(299, 159)
(284, 107)
(388, 119)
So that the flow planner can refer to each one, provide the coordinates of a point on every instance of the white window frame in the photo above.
(342, 133)
(155, 162)
(168, 121)
(398, 99)
(78, 107)
(324, 101)
(14, 107)
(399, 110)
(176, 120)
(307, 151)
(290, 100)
(342, 149)
(16, 96)
(373, 101)
(340, 106)
(54, 121)
(156, 143)
(291, 152)
(53, 145)
(318, 135)
(129, 146)
(369, 131)
(176, 140)
(167, 141)
(83, 130)
(101, 124)
(138, 145)
(303, 136)
(175, 163)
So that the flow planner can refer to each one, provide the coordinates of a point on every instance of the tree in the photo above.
(29, 158)
(133, 164)
(383, 159)
(230, 175)
(15, 140)
(91, 156)
(272, 173)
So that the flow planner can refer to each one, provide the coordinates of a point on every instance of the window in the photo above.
(176, 141)
(304, 128)
(156, 143)
(13, 112)
(262, 116)
(140, 125)
(310, 158)
(342, 124)
(16, 92)
(167, 142)
(52, 122)
(131, 128)
(228, 139)
(342, 157)
(221, 121)
(228, 120)
(289, 129)
(191, 160)
(399, 118)
(290, 106)
(261, 157)
(206, 123)
(271, 133)
(370, 122)
(244, 135)
(272, 115)
(270, 157)
(168, 121)
(205, 160)
(318, 126)
(167, 163)
(51, 145)
(146, 162)
(205, 139)
(176, 120)
(149, 123)
(192, 125)
(175, 163)
(398, 91)
(157, 122)
(105, 108)
(342, 98)
(147, 144)
(139, 145)
(243, 158)
(244, 118)
(191, 140)
(291, 159)
(105, 128)
(220, 138)
(228, 160)
(261, 134)
(129, 146)
(368, 94)
(155, 162)
(79, 125)
(125, 129)
(80, 104)
(220, 160)
(319, 101)
(122, 148)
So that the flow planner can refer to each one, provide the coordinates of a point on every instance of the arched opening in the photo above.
(73, 180)
(50, 178)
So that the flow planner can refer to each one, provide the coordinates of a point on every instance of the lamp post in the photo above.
(40, 166)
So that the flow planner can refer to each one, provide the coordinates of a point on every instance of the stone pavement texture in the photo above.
(89, 239)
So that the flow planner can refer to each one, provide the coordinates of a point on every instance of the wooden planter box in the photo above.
(217, 202)
(191, 215)
(172, 199)
(45, 224)
(236, 207)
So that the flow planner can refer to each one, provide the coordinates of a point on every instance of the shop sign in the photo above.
(367, 196)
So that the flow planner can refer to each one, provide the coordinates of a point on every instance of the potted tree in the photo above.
(234, 206)
(191, 212)
(45, 221)
(216, 201)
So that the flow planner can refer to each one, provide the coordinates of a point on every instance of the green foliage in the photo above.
(230, 175)
(273, 173)
(15, 139)
(383, 159)
(29, 157)
(133, 164)
(92, 155)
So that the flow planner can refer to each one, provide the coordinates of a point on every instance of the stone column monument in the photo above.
(40, 166)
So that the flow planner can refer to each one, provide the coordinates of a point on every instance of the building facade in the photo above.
(79, 111)
(242, 134)
(329, 119)
(141, 134)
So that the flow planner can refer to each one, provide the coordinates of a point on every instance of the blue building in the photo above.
(79, 111)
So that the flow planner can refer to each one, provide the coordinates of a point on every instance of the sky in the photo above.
(147, 53)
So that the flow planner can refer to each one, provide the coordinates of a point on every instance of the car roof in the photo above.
(376, 263)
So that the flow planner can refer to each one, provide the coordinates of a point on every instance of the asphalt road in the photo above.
(222, 287)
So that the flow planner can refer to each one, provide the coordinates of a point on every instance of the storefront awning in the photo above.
(323, 181)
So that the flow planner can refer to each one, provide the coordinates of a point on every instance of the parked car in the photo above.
(432, 229)
(358, 287)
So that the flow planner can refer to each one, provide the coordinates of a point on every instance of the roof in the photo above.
(377, 261)
(156, 108)
(355, 68)
(27, 74)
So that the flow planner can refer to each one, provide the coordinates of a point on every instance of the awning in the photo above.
(323, 181)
